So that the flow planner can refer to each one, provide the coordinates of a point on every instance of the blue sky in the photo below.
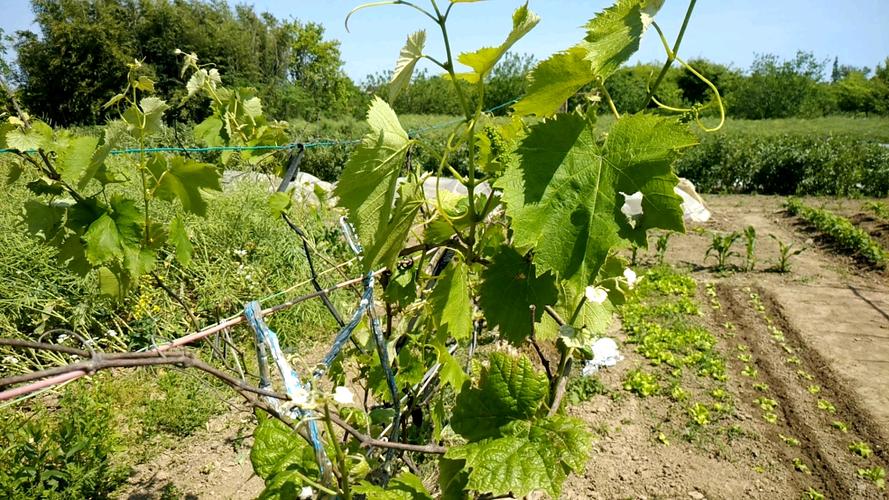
(726, 31)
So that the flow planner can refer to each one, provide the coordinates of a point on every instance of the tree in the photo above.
(508, 79)
(856, 94)
(780, 89)
(695, 91)
(84, 46)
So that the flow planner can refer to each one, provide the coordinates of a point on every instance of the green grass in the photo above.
(83, 446)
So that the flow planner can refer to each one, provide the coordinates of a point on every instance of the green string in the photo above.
(323, 143)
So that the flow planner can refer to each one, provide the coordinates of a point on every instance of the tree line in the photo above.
(78, 60)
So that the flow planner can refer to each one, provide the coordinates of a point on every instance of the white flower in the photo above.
(306, 492)
(240, 253)
(631, 277)
(300, 397)
(111, 333)
(596, 295)
(62, 338)
(632, 206)
(343, 395)
(10, 360)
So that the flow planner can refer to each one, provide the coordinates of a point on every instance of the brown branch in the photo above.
(561, 385)
(554, 315)
(27, 344)
(367, 441)
(533, 340)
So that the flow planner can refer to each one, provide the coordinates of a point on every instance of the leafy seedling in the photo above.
(861, 449)
(875, 474)
(721, 249)
(785, 252)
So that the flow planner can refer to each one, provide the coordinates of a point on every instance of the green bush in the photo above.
(63, 454)
(788, 164)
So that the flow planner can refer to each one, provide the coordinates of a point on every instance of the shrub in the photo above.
(788, 164)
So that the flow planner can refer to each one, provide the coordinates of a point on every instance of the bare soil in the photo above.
(834, 314)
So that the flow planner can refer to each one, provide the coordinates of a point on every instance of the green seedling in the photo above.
(770, 417)
(861, 449)
(785, 252)
(750, 371)
(721, 249)
(812, 494)
(761, 387)
(789, 441)
(750, 248)
(767, 404)
(660, 247)
(840, 426)
(827, 406)
(875, 474)
(800, 466)
(699, 413)
(814, 389)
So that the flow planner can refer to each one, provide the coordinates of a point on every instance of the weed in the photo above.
(662, 438)
(880, 209)
(184, 407)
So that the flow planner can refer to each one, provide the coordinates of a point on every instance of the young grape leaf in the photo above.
(450, 303)
(407, 60)
(179, 239)
(207, 132)
(555, 80)
(509, 286)
(535, 457)
(42, 220)
(564, 197)
(483, 60)
(277, 447)
(404, 486)
(280, 203)
(451, 372)
(108, 236)
(390, 238)
(153, 114)
(74, 160)
(96, 166)
(613, 36)
(508, 390)
(367, 186)
(181, 178)
(39, 136)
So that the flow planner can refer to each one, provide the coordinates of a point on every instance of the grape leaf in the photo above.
(407, 60)
(450, 303)
(179, 239)
(280, 203)
(390, 238)
(534, 457)
(96, 167)
(276, 447)
(452, 478)
(181, 178)
(509, 286)
(42, 220)
(108, 236)
(553, 81)
(207, 132)
(564, 197)
(483, 60)
(75, 159)
(614, 35)
(404, 486)
(509, 389)
(39, 136)
(367, 186)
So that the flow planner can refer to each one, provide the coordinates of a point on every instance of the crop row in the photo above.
(841, 231)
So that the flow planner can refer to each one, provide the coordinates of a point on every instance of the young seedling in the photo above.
(785, 252)
(721, 249)
(827, 406)
(750, 247)
(861, 449)
(875, 474)
(840, 426)
(661, 247)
